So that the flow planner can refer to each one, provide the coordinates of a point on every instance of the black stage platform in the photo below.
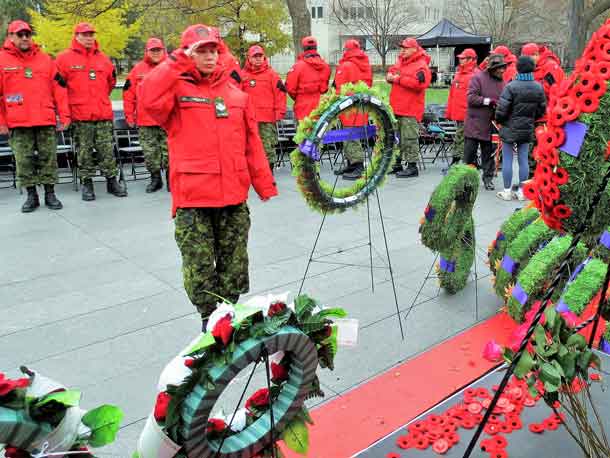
(521, 443)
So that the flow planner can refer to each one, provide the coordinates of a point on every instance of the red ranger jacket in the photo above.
(134, 111)
(266, 90)
(408, 93)
(31, 91)
(90, 77)
(457, 102)
(229, 62)
(548, 70)
(215, 150)
(306, 81)
(354, 66)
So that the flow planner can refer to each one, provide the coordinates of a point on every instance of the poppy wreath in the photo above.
(507, 233)
(448, 228)
(40, 417)
(312, 133)
(573, 150)
(296, 338)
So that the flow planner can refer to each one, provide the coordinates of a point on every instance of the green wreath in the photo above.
(448, 227)
(582, 286)
(319, 194)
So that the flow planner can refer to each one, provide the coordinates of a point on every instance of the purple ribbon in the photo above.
(604, 346)
(429, 213)
(500, 237)
(350, 133)
(575, 137)
(605, 239)
(508, 264)
(447, 266)
(562, 307)
(519, 295)
(310, 149)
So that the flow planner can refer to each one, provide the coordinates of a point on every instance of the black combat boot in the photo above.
(348, 167)
(50, 199)
(87, 192)
(115, 188)
(410, 172)
(32, 202)
(355, 173)
(167, 179)
(397, 167)
(156, 182)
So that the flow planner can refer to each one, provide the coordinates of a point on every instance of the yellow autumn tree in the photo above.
(54, 29)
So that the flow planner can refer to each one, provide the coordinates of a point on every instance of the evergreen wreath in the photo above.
(319, 194)
(448, 228)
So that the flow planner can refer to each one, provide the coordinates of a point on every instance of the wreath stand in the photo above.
(322, 258)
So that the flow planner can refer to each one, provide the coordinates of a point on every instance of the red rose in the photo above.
(7, 385)
(278, 373)
(259, 399)
(223, 329)
(189, 362)
(14, 452)
(514, 341)
(216, 425)
(275, 308)
(161, 405)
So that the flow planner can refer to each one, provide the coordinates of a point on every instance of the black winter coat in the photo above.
(521, 103)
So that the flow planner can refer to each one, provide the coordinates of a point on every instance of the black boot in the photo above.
(156, 182)
(348, 167)
(50, 199)
(87, 192)
(167, 179)
(115, 188)
(489, 185)
(355, 173)
(410, 172)
(32, 202)
(397, 167)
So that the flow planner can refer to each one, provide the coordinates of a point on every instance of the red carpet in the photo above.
(360, 417)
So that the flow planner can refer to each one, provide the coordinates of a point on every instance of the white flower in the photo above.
(263, 302)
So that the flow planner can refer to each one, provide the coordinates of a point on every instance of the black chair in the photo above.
(286, 130)
(127, 147)
(7, 164)
(66, 155)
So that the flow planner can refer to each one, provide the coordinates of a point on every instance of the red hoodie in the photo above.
(408, 93)
(215, 151)
(306, 81)
(548, 70)
(134, 111)
(31, 90)
(354, 66)
(229, 62)
(90, 77)
(266, 90)
(457, 102)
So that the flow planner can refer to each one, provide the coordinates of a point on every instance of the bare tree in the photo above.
(301, 21)
(581, 15)
(382, 21)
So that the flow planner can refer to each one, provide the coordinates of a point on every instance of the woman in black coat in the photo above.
(521, 103)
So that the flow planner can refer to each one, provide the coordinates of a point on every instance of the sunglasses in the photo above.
(24, 34)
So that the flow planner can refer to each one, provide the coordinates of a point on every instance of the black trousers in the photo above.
(487, 161)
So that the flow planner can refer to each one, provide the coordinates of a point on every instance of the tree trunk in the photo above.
(577, 31)
(301, 22)
(383, 62)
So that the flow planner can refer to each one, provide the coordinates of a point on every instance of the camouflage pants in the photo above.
(458, 141)
(33, 169)
(268, 133)
(409, 138)
(214, 247)
(153, 141)
(353, 151)
(90, 135)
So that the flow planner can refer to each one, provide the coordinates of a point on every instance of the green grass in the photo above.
(117, 94)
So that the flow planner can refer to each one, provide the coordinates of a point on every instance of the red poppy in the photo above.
(559, 137)
(560, 177)
(530, 190)
(556, 117)
(392, 455)
(545, 138)
(403, 442)
(553, 191)
(216, 425)
(276, 308)
(223, 329)
(552, 157)
(588, 103)
(14, 452)
(596, 377)
(547, 200)
(259, 399)
(602, 69)
(562, 211)
(7, 385)
(278, 373)
(604, 50)
(161, 405)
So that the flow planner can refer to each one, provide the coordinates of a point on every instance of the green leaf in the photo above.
(508, 355)
(332, 313)
(584, 360)
(242, 312)
(303, 306)
(540, 337)
(104, 424)
(568, 364)
(524, 366)
(332, 340)
(576, 340)
(206, 341)
(69, 398)
(550, 376)
(296, 436)
(313, 324)
(551, 317)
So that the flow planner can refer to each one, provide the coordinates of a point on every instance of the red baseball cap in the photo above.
(254, 50)
(18, 26)
(351, 44)
(154, 43)
(530, 49)
(468, 52)
(201, 33)
(309, 42)
(84, 27)
(409, 43)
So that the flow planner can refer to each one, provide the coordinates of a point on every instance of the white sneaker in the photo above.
(519, 195)
(507, 194)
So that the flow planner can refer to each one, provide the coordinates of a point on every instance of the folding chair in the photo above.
(286, 130)
(7, 163)
(65, 151)
(127, 147)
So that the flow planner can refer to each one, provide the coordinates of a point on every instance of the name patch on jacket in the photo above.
(77, 67)
(188, 98)
(14, 98)
(10, 69)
